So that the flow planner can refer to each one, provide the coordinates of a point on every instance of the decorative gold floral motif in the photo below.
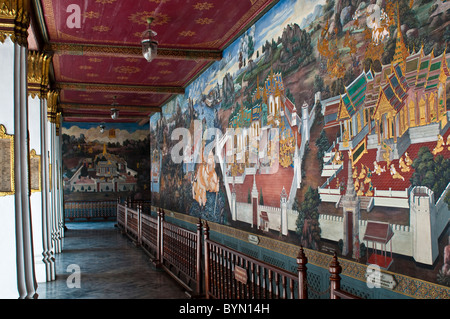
(85, 67)
(105, 1)
(133, 60)
(163, 63)
(203, 5)
(141, 18)
(204, 21)
(187, 33)
(101, 28)
(95, 60)
(165, 72)
(153, 78)
(126, 69)
(112, 96)
(91, 15)
(159, 1)
(92, 75)
(122, 78)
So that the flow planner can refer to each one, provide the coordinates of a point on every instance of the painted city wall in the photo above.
(325, 124)
(102, 161)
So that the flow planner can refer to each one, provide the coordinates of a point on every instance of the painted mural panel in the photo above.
(102, 163)
(326, 125)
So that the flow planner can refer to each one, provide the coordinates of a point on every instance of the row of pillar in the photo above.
(31, 217)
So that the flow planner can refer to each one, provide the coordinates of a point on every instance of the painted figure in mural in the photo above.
(337, 158)
(439, 145)
(404, 168)
(205, 180)
(396, 174)
(378, 169)
(408, 160)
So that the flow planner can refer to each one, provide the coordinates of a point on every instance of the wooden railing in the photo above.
(181, 253)
(177, 250)
(230, 274)
(210, 269)
(89, 210)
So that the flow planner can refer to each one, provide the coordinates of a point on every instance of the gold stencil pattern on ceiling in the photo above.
(203, 6)
(105, 1)
(204, 21)
(159, 1)
(91, 15)
(126, 69)
(101, 28)
(141, 18)
(187, 33)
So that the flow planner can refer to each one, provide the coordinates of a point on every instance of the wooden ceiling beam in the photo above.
(105, 107)
(128, 51)
(118, 88)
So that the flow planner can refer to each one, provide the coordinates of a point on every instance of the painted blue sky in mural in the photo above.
(269, 27)
(129, 127)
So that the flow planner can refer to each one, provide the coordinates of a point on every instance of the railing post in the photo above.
(302, 260)
(139, 224)
(206, 238)
(125, 219)
(159, 236)
(335, 280)
(198, 265)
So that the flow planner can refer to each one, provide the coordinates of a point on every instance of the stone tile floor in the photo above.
(111, 267)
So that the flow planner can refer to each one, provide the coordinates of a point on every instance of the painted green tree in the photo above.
(431, 171)
(307, 224)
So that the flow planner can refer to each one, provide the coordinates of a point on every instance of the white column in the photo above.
(46, 207)
(8, 269)
(24, 242)
(34, 120)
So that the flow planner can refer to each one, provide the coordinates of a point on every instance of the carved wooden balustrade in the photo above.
(181, 253)
(90, 210)
(206, 268)
(230, 274)
(177, 250)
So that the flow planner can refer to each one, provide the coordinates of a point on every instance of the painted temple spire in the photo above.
(401, 52)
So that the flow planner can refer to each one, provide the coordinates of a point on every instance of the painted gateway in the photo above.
(334, 134)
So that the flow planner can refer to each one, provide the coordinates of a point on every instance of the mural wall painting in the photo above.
(326, 125)
(104, 164)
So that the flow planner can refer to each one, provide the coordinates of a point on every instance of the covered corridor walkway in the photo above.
(110, 267)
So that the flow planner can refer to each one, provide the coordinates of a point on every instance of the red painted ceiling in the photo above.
(100, 57)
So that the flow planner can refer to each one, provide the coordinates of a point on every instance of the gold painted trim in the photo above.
(52, 105)
(127, 51)
(4, 135)
(33, 155)
(120, 88)
(38, 73)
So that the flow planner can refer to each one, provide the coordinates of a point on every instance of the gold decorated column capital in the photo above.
(15, 20)
(52, 106)
(38, 73)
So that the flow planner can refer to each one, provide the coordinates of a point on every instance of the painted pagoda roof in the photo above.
(355, 94)
(378, 232)
(423, 71)
(395, 89)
